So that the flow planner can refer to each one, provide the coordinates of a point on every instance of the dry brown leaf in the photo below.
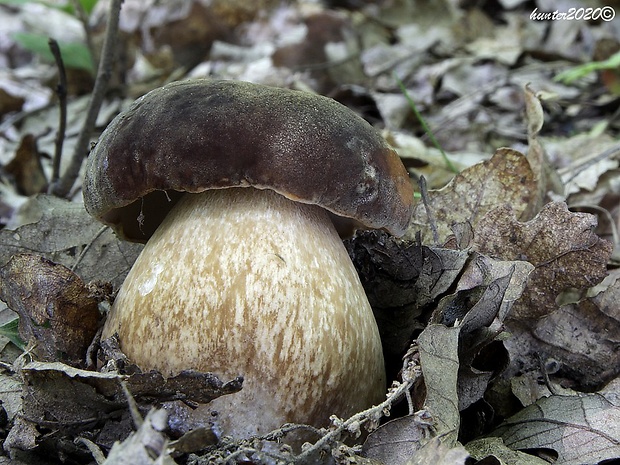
(562, 246)
(485, 293)
(401, 279)
(67, 401)
(57, 311)
(584, 337)
(26, 167)
(505, 179)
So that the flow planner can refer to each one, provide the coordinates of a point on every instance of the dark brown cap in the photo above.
(195, 135)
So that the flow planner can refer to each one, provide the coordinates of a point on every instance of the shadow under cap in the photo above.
(195, 135)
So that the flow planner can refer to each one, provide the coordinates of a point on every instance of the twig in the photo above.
(133, 406)
(104, 72)
(429, 211)
(410, 374)
(83, 17)
(61, 91)
(93, 449)
(87, 247)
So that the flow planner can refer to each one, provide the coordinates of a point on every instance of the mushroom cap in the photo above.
(195, 135)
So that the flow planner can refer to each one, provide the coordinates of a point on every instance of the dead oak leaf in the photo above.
(562, 246)
(505, 179)
(584, 337)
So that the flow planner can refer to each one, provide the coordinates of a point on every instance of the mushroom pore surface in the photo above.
(242, 281)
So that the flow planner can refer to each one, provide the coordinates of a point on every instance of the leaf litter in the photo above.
(498, 310)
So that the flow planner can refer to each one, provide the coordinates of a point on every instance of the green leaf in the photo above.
(88, 5)
(11, 332)
(74, 54)
(578, 72)
(14, 2)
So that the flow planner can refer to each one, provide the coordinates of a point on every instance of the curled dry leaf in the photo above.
(147, 446)
(486, 287)
(547, 179)
(65, 401)
(485, 293)
(505, 179)
(57, 311)
(580, 429)
(399, 272)
(26, 167)
(401, 279)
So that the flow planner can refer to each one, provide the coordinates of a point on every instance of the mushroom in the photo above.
(232, 186)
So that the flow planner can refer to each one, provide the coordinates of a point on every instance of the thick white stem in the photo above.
(246, 282)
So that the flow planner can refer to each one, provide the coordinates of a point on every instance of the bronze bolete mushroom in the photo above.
(232, 184)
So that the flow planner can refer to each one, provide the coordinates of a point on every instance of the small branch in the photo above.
(93, 449)
(411, 373)
(83, 17)
(61, 91)
(87, 248)
(133, 406)
(429, 210)
(104, 72)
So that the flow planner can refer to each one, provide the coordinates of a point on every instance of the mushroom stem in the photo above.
(242, 281)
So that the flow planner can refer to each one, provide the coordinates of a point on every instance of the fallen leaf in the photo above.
(437, 453)
(58, 314)
(484, 295)
(494, 449)
(584, 337)
(9, 102)
(397, 272)
(440, 364)
(147, 446)
(401, 280)
(505, 179)
(562, 246)
(11, 394)
(26, 167)
(63, 232)
(580, 429)
(547, 179)
(397, 441)
(481, 294)
(64, 402)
